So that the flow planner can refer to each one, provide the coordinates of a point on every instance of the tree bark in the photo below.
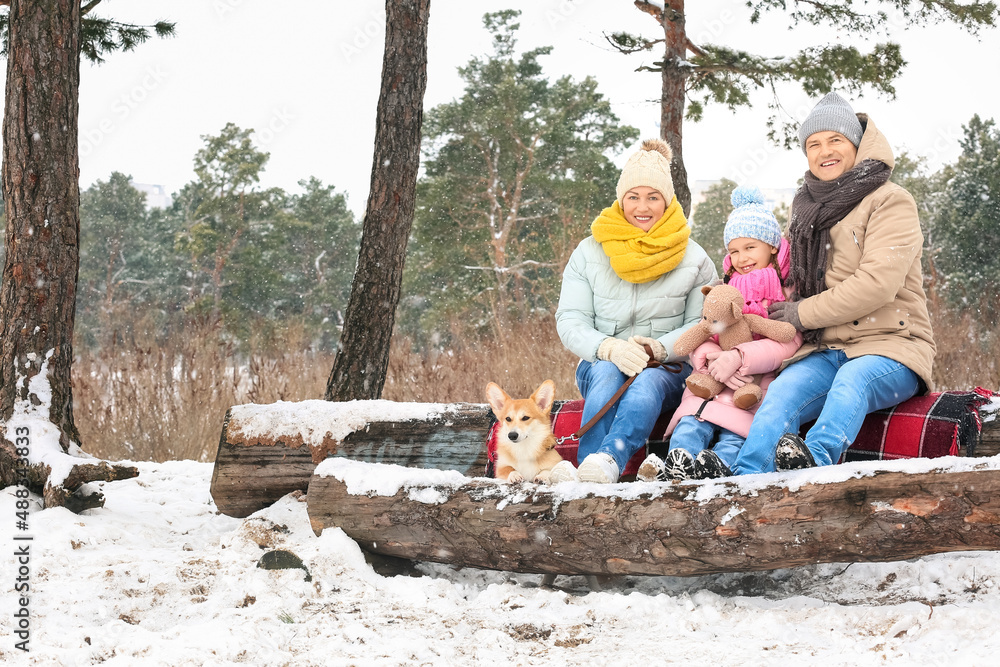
(673, 96)
(38, 296)
(42, 199)
(363, 357)
(883, 517)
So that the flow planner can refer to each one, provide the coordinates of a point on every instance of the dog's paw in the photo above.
(515, 477)
(542, 477)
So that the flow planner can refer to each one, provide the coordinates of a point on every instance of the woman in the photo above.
(637, 280)
(858, 298)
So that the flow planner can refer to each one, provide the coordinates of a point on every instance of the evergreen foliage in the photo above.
(965, 225)
(100, 36)
(708, 223)
(251, 262)
(718, 74)
(515, 171)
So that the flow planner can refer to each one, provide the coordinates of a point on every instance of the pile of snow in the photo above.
(159, 576)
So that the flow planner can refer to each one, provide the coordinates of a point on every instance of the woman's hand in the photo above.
(659, 352)
(627, 355)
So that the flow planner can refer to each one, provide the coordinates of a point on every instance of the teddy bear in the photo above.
(723, 314)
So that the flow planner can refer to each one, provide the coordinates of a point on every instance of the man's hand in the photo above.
(786, 311)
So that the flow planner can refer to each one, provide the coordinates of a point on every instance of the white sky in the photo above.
(305, 76)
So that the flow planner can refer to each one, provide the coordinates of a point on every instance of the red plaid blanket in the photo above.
(939, 424)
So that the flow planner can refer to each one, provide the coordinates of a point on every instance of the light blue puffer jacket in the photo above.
(595, 303)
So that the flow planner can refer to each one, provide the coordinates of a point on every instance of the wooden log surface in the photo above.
(268, 451)
(872, 511)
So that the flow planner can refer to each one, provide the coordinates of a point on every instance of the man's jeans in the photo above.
(835, 391)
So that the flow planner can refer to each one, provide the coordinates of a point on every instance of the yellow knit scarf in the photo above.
(638, 256)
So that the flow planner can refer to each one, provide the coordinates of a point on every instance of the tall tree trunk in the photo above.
(363, 358)
(42, 197)
(672, 96)
(38, 298)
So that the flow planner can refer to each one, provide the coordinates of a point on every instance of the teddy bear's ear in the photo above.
(737, 310)
(706, 289)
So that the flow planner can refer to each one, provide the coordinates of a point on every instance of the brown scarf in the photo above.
(818, 206)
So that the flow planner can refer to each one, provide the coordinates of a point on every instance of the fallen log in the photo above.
(267, 451)
(859, 512)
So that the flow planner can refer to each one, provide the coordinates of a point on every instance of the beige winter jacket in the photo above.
(874, 302)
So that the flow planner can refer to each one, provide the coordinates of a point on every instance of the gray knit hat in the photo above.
(831, 114)
(649, 166)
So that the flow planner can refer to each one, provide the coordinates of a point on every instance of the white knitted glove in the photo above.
(659, 352)
(628, 356)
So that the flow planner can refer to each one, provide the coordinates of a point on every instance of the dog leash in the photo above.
(670, 367)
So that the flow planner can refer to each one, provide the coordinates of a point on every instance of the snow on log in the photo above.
(267, 451)
(873, 511)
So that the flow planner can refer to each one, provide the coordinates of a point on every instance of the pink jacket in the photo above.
(759, 356)
(762, 356)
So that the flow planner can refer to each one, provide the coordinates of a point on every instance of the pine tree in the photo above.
(516, 171)
(113, 221)
(362, 360)
(712, 73)
(965, 224)
(42, 208)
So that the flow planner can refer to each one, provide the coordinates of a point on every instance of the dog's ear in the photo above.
(544, 396)
(496, 397)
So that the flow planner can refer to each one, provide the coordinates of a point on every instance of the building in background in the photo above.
(156, 195)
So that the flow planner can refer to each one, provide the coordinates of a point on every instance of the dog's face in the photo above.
(522, 419)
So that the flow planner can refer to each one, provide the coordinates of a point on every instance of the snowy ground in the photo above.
(159, 577)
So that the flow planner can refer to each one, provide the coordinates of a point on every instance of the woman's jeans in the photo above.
(696, 435)
(835, 391)
(623, 430)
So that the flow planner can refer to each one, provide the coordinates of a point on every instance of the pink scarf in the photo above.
(761, 285)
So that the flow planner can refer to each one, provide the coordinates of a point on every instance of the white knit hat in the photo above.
(831, 114)
(649, 166)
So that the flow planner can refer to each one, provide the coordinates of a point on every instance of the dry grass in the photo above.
(145, 402)
(518, 363)
(968, 352)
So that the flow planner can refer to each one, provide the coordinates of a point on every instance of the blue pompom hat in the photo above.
(751, 219)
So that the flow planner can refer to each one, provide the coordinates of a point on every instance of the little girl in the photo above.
(756, 265)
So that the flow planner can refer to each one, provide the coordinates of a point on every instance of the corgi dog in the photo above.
(525, 444)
